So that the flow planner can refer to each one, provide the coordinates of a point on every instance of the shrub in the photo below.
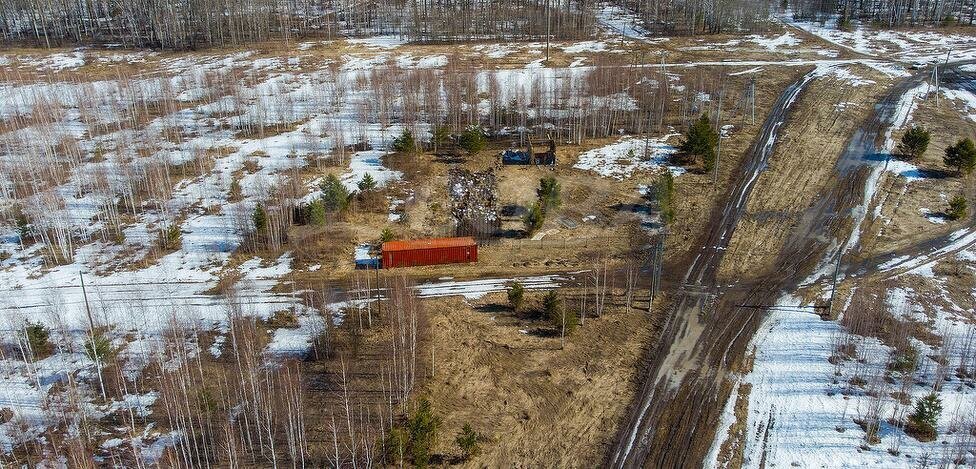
(700, 142)
(516, 296)
(472, 140)
(961, 156)
(914, 143)
(957, 208)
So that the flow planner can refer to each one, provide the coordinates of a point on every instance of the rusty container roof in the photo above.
(428, 243)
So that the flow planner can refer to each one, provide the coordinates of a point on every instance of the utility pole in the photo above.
(752, 97)
(718, 124)
(657, 259)
(833, 285)
(91, 336)
(548, 26)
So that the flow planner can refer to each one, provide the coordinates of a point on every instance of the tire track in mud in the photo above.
(678, 395)
(673, 419)
(830, 227)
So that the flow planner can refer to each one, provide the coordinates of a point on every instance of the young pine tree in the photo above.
(316, 213)
(405, 143)
(961, 156)
(37, 336)
(366, 184)
(957, 208)
(335, 196)
(472, 140)
(700, 142)
(925, 418)
(516, 296)
(555, 312)
(914, 143)
(664, 191)
(469, 442)
(260, 218)
(423, 426)
(534, 218)
(549, 193)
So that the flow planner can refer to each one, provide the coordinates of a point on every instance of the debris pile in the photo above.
(474, 202)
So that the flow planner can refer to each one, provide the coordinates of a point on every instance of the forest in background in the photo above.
(192, 24)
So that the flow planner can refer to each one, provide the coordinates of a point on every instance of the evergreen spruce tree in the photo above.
(925, 418)
(700, 142)
(335, 196)
(260, 218)
(366, 184)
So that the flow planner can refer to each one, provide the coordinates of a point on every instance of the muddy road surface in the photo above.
(673, 419)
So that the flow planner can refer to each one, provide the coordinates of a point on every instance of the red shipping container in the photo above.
(429, 252)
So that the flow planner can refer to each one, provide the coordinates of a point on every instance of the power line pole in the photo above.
(752, 97)
(548, 26)
(657, 260)
(718, 124)
(833, 285)
(91, 336)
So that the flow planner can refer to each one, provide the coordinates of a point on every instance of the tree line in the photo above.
(887, 13)
(191, 24)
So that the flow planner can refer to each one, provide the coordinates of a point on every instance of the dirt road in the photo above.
(672, 421)
(679, 390)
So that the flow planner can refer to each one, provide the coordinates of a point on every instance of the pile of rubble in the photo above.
(474, 202)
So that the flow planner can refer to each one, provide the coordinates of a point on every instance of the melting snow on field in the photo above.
(904, 45)
(379, 42)
(798, 415)
(773, 44)
(474, 289)
(621, 159)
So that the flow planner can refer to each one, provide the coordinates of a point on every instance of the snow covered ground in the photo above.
(802, 412)
(903, 45)
(621, 159)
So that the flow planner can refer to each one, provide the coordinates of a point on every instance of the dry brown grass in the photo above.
(539, 404)
(800, 170)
